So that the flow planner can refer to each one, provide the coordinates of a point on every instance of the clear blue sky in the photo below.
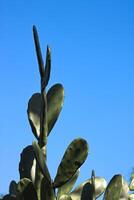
(92, 44)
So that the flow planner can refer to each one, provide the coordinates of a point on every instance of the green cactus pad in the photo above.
(13, 188)
(67, 187)
(27, 165)
(65, 197)
(47, 192)
(55, 97)
(26, 190)
(116, 189)
(73, 158)
(88, 192)
(34, 110)
(41, 161)
(100, 186)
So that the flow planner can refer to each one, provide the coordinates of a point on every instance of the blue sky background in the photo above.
(92, 44)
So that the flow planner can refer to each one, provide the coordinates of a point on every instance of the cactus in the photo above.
(100, 186)
(47, 192)
(73, 158)
(67, 187)
(26, 190)
(41, 161)
(55, 98)
(13, 188)
(88, 191)
(35, 181)
(27, 165)
(116, 189)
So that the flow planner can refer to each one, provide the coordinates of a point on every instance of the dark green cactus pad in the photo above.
(67, 187)
(114, 190)
(73, 158)
(41, 161)
(26, 190)
(34, 111)
(13, 188)
(65, 197)
(27, 165)
(100, 186)
(88, 192)
(47, 192)
(55, 98)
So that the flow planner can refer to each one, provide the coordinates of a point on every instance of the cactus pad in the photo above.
(88, 192)
(55, 97)
(27, 165)
(26, 190)
(116, 189)
(74, 157)
(13, 188)
(100, 186)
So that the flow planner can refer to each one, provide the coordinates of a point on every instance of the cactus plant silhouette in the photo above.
(35, 179)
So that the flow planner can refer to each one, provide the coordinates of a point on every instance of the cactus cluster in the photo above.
(35, 180)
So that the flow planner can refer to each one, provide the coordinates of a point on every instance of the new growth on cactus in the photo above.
(35, 179)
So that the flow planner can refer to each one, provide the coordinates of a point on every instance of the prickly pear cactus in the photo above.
(35, 182)
(55, 97)
(116, 189)
(73, 158)
(27, 165)
(100, 186)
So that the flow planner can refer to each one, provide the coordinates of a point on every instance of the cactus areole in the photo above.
(35, 181)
